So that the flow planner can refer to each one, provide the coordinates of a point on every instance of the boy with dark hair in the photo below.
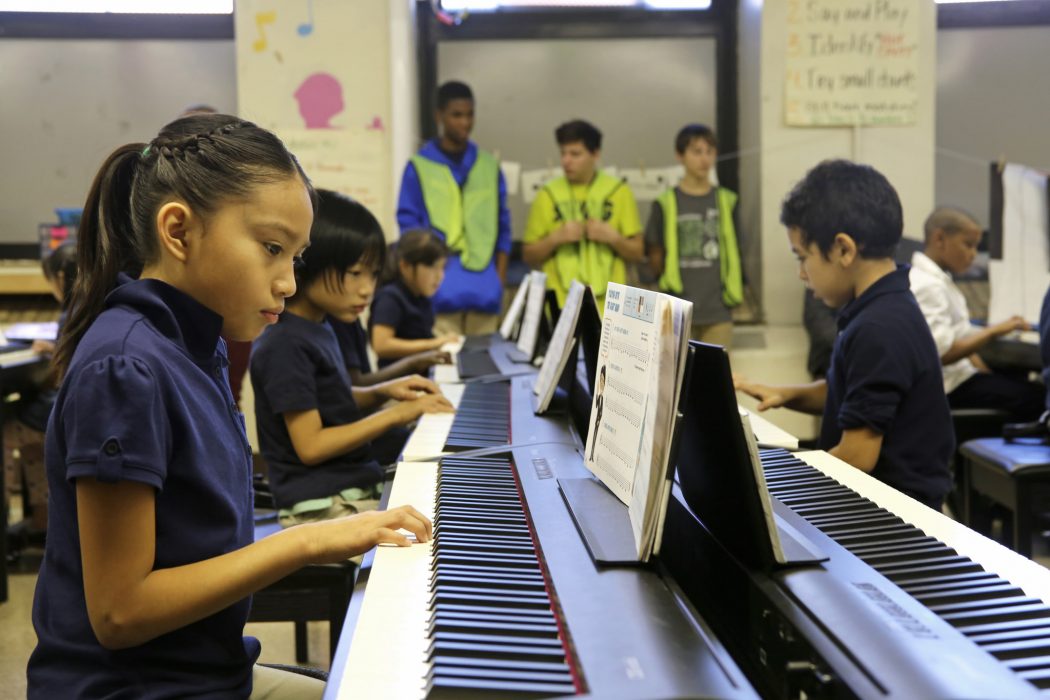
(583, 225)
(456, 189)
(952, 237)
(691, 239)
(883, 403)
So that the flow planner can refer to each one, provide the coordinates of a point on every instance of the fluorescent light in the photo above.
(188, 7)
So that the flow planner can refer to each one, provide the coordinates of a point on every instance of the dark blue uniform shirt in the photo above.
(410, 315)
(885, 374)
(296, 365)
(146, 399)
(353, 343)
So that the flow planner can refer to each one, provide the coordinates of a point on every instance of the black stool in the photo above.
(969, 424)
(1015, 475)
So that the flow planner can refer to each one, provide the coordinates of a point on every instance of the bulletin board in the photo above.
(851, 62)
(296, 77)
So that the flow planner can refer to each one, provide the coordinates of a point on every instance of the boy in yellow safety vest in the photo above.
(583, 225)
(457, 190)
(691, 239)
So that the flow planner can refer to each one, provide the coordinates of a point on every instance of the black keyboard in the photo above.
(478, 363)
(482, 418)
(493, 627)
(991, 612)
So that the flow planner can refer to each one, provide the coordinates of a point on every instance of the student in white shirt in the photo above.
(951, 238)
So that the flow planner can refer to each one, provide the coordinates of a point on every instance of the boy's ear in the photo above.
(846, 248)
(175, 222)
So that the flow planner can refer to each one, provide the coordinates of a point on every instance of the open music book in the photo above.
(506, 328)
(642, 353)
(560, 348)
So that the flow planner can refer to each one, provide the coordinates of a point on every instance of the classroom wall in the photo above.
(66, 104)
(993, 97)
(904, 154)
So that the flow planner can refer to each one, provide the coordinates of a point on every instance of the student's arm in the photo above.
(629, 247)
(314, 443)
(388, 346)
(413, 364)
(501, 267)
(129, 602)
(542, 237)
(859, 447)
(411, 209)
(654, 240)
(806, 398)
(968, 345)
(400, 389)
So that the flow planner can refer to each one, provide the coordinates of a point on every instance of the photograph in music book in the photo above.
(559, 349)
(640, 361)
(718, 470)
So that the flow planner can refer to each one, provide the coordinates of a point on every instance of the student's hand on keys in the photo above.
(571, 232)
(337, 540)
(408, 388)
(423, 361)
(768, 396)
(1014, 323)
(42, 347)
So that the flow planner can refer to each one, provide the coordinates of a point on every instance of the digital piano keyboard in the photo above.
(506, 601)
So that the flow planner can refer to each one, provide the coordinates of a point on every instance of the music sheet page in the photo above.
(560, 347)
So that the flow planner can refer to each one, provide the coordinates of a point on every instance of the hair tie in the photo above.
(145, 151)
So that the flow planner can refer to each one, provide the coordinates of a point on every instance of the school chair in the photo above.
(314, 592)
(1015, 475)
(970, 424)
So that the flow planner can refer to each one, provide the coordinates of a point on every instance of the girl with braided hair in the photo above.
(149, 564)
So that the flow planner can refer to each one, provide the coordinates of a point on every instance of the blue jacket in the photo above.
(462, 290)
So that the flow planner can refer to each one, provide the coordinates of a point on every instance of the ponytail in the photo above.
(105, 246)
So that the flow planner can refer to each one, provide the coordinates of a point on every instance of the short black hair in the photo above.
(839, 196)
(344, 233)
(951, 220)
(453, 90)
(689, 132)
(579, 130)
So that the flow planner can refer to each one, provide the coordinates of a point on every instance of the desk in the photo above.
(22, 277)
(17, 369)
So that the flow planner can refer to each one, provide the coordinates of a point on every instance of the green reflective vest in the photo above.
(469, 218)
(593, 264)
(728, 250)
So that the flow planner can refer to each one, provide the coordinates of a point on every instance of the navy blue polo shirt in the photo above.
(886, 374)
(296, 365)
(353, 343)
(410, 315)
(146, 399)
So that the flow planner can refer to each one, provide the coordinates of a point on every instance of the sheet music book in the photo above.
(530, 324)
(641, 359)
(506, 328)
(28, 332)
(559, 349)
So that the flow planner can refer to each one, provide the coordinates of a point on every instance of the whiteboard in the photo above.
(68, 103)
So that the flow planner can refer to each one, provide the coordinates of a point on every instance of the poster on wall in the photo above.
(297, 77)
(851, 63)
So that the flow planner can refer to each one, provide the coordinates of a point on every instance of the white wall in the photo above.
(904, 154)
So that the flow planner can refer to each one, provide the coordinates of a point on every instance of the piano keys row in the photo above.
(482, 419)
(492, 626)
(994, 613)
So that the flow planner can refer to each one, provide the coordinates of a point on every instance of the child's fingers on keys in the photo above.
(408, 518)
(385, 535)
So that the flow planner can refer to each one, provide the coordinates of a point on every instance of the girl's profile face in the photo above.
(57, 285)
(358, 287)
(424, 280)
(239, 262)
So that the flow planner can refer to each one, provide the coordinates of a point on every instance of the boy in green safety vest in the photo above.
(691, 239)
(455, 189)
(583, 225)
